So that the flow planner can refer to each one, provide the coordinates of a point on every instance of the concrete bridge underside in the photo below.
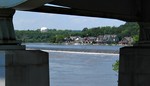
(20, 65)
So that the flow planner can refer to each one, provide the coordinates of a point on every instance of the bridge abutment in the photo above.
(134, 68)
(24, 68)
(18, 66)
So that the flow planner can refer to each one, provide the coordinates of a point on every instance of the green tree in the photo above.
(116, 66)
(135, 38)
(59, 39)
(84, 29)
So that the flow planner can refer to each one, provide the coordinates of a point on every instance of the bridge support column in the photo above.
(134, 68)
(7, 34)
(19, 67)
(24, 68)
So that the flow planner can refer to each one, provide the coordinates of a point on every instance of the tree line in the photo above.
(129, 29)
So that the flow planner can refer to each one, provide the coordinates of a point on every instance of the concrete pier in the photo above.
(134, 66)
(19, 67)
(24, 68)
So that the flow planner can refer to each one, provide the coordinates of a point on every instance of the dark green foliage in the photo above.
(57, 36)
(51, 36)
(128, 29)
(135, 38)
(116, 66)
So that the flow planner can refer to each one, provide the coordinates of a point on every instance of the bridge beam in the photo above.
(134, 61)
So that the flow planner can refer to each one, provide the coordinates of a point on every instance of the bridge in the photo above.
(20, 64)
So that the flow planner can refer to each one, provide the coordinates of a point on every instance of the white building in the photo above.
(44, 29)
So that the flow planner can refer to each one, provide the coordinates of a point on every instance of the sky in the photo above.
(32, 21)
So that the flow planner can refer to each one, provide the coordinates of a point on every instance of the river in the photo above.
(79, 48)
(76, 68)
(80, 65)
(82, 69)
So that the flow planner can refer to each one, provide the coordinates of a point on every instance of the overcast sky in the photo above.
(32, 21)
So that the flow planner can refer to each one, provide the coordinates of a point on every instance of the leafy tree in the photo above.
(135, 38)
(59, 39)
(116, 66)
(85, 29)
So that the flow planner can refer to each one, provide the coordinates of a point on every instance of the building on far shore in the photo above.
(44, 29)
(126, 41)
(101, 39)
(107, 39)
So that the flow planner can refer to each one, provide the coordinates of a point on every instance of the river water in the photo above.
(69, 68)
(82, 69)
(79, 48)
(79, 68)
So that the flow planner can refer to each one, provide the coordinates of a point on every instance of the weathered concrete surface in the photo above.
(25, 68)
(7, 33)
(2, 68)
(12, 47)
(134, 66)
